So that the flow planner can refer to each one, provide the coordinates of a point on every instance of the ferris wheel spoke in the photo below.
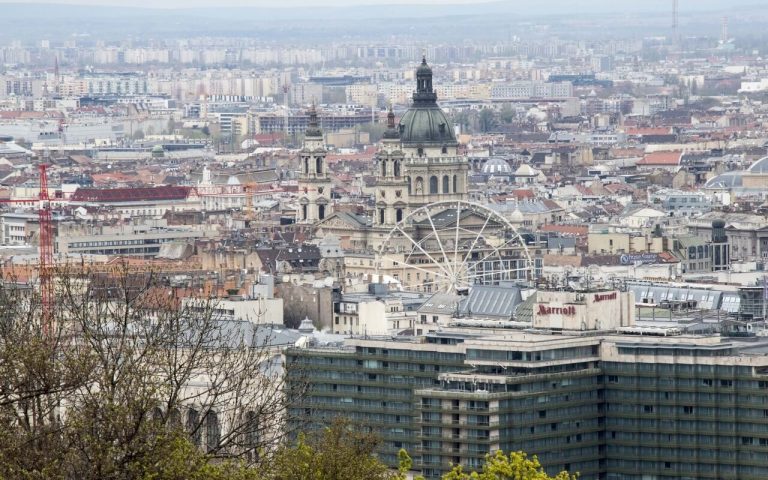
(474, 242)
(497, 250)
(418, 245)
(456, 239)
(440, 244)
(509, 261)
(497, 272)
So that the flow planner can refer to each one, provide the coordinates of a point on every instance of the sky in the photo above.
(321, 3)
(236, 3)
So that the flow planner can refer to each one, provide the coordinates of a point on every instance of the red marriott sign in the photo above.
(545, 310)
(599, 297)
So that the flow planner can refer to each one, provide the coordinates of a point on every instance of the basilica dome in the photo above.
(425, 123)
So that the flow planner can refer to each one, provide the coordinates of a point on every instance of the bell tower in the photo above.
(314, 183)
(392, 184)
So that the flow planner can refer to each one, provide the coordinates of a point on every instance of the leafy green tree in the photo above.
(487, 120)
(515, 466)
(507, 114)
(340, 451)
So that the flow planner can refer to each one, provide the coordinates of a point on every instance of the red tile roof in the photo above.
(662, 158)
(115, 195)
(522, 194)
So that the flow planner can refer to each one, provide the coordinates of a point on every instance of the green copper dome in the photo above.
(425, 123)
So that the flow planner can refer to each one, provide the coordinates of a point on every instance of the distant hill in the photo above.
(457, 22)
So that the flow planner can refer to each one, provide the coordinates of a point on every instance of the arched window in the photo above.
(446, 184)
(381, 216)
(321, 212)
(399, 214)
(174, 419)
(193, 427)
(408, 181)
(303, 212)
(306, 165)
(319, 165)
(420, 152)
(212, 431)
(433, 184)
(397, 168)
(445, 149)
(383, 168)
(251, 434)
(455, 183)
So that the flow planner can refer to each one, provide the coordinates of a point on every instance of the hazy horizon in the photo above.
(523, 7)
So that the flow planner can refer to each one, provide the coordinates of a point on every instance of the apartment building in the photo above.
(138, 239)
(599, 399)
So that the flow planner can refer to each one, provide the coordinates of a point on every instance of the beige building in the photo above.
(606, 310)
(611, 242)
(370, 314)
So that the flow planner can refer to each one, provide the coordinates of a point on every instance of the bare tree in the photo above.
(129, 369)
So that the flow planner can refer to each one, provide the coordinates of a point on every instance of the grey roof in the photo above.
(353, 219)
(705, 298)
(760, 166)
(423, 125)
(445, 303)
(447, 217)
(726, 180)
(491, 301)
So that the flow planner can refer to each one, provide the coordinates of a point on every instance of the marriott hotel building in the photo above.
(568, 377)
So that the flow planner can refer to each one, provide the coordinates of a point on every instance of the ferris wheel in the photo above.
(451, 246)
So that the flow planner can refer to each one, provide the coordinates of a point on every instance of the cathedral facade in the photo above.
(417, 163)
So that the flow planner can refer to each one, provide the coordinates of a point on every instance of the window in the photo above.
(193, 419)
(446, 184)
(433, 184)
(647, 408)
(688, 409)
(212, 431)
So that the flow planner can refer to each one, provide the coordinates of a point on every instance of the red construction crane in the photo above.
(46, 250)
(45, 243)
